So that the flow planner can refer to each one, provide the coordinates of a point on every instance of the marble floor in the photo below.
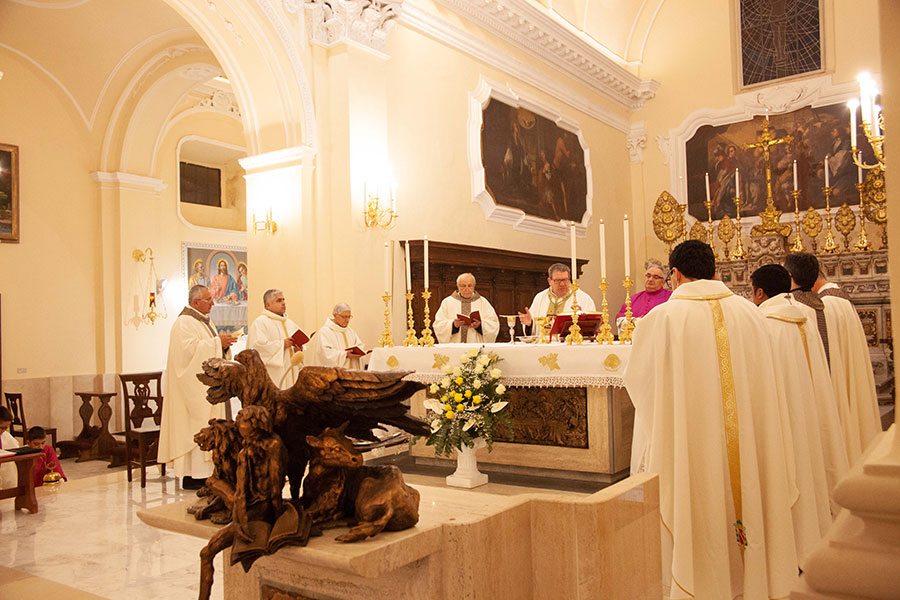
(87, 543)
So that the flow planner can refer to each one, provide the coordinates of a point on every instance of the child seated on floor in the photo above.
(36, 438)
(8, 476)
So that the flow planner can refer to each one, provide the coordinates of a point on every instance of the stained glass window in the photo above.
(779, 38)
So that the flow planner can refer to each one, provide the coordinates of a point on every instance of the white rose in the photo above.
(476, 384)
(447, 369)
(484, 360)
(495, 373)
(433, 388)
(457, 371)
(479, 369)
(473, 352)
(500, 389)
(445, 382)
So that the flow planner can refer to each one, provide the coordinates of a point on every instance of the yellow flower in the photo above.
(449, 414)
(476, 399)
(460, 408)
(447, 406)
(468, 393)
(444, 398)
(459, 380)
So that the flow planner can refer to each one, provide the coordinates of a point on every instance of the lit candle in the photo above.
(737, 183)
(426, 262)
(152, 300)
(387, 268)
(795, 176)
(827, 180)
(707, 187)
(602, 250)
(627, 250)
(574, 262)
(853, 105)
(408, 277)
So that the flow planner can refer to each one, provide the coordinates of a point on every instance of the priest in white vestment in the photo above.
(270, 335)
(707, 422)
(465, 301)
(558, 298)
(193, 339)
(848, 355)
(332, 343)
(799, 362)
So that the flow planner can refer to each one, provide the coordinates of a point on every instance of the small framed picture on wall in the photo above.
(9, 193)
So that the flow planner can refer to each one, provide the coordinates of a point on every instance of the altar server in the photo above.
(797, 363)
(557, 299)
(185, 412)
(465, 301)
(335, 344)
(702, 382)
(270, 335)
(848, 356)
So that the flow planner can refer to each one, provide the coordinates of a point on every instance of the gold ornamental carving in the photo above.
(876, 201)
(725, 231)
(549, 361)
(845, 222)
(440, 360)
(392, 362)
(668, 219)
(699, 232)
(812, 225)
(612, 362)
(546, 417)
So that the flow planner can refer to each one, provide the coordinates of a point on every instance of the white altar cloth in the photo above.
(548, 365)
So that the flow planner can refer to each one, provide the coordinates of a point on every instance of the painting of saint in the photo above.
(223, 286)
(228, 284)
(532, 164)
(198, 276)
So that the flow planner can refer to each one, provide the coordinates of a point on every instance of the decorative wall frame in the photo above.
(229, 285)
(521, 220)
(9, 193)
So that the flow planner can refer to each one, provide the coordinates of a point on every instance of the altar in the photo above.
(573, 418)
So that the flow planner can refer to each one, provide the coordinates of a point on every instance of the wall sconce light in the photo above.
(378, 211)
(269, 226)
(155, 306)
(872, 122)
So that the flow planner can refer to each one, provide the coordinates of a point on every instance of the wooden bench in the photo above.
(24, 492)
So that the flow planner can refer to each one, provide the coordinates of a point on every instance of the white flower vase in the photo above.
(467, 474)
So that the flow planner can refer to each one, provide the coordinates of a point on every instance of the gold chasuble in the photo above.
(707, 420)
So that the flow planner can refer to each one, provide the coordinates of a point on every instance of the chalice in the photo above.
(542, 328)
(511, 323)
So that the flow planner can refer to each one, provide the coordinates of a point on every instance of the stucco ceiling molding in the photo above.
(219, 101)
(528, 27)
(52, 3)
(636, 141)
(478, 99)
(211, 5)
(782, 98)
(442, 31)
(118, 179)
(159, 60)
(174, 119)
(364, 22)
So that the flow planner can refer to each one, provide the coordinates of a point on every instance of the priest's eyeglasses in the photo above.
(654, 276)
(560, 280)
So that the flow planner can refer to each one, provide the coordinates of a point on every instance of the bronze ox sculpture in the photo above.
(276, 434)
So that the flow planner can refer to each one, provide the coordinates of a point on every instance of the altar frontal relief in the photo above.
(224, 271)
(532, 164)
(815, 133)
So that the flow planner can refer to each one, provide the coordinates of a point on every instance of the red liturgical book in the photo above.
(475, 316)
(299, 338)
(357, 351)
(588, 322)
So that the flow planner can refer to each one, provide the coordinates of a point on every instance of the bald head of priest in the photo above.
(465, 316)
(270, 335)
(558, 298)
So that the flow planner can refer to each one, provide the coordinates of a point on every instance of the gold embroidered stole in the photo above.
(286, 335)
(354, 361)
(556, 304)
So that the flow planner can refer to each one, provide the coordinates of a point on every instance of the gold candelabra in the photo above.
(375, 213)
(738, 253)
(387, 338)
(410, 339)
(711, 245)
(628, 325)
(797, 246)
(872, 122)
(830, 245)
(605, 336)
(575, 336)
(862, 243)
(427, 337)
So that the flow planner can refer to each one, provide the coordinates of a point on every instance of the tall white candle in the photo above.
(707, 187)
(627, 250)
(795, 176)
(602, 250)
(426, 262)
(574, 262)
(853, 105)
(859, 177)
(737, 183)
(408, 276)
(387, 268)
(827, 180)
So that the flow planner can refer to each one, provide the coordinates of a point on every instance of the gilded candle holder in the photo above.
(797, 246)
(410, 339)
(605, 336)
(387, 338)
(738, 253)
(830, 245)
(575, 336)
(628, 325)
(862, 243)
(427, 336)
(709, 213)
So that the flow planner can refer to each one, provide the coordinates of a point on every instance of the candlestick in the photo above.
(737, 183)
(827, 180)
(387, 268)
(410, 339)
(628, 325)
(795, 176)
(574, 262)
(575, 336)
(602, 250)
(426, 261)
(797, 246)
(408, 276)
(387, 338)
(738, 253)
(709, 213)
(605, 335)
(830, 246)
(627, 250)
(427, 337)
(862, 240)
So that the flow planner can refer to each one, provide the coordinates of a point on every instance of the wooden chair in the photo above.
(19, 425)
(142, 437)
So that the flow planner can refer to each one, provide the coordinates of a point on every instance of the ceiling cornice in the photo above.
(532, 30)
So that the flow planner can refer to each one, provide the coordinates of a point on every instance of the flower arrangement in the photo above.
(467, 403)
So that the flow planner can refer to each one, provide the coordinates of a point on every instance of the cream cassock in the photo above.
(266, 335)
(328, 347)
(702, 382)
(452, 306)
(185, 410)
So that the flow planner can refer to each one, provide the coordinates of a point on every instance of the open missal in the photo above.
(588, 322)
(357, 351)
(299, 338)
(468, 320)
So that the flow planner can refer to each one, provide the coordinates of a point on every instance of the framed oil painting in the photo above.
(9, 193)
(223, 269)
